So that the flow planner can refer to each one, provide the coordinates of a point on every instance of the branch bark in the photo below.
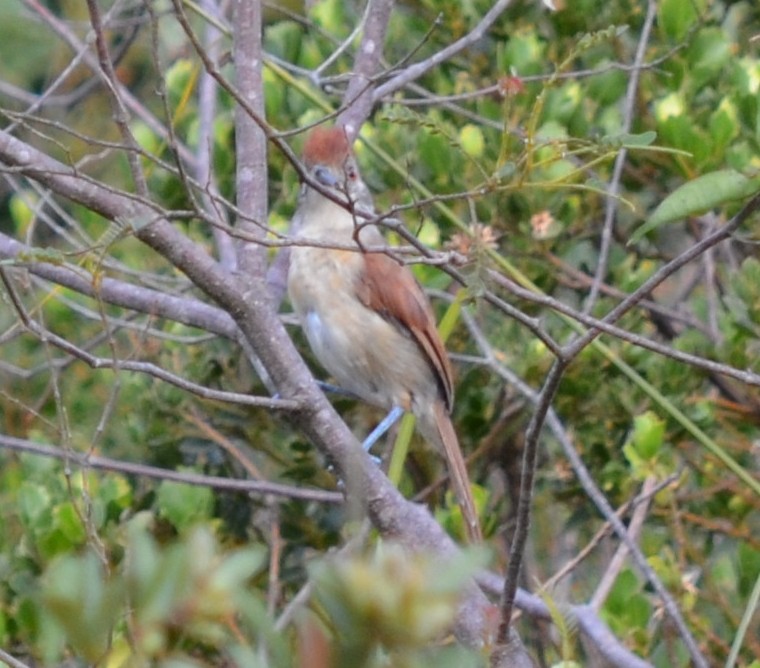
(358, 99)
(394, 516)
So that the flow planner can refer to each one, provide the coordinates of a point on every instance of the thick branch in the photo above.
(185, 310)
(357, 102)
(390, 512)
(250, 140)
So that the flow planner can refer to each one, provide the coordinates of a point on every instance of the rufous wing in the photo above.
(389, 288)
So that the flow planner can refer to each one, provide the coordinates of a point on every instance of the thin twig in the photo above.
(207, 109)
(615, 564)
(600, 501)
(415, 71)
(589, 486)
(91, 461)
(72, 40)
(121, 115)
(602, 326)
(577, 277)
(530, 457)
(605, 529)
(612, 200)
(666, 270)
(12, 661)
(592, 627)
(186, 310)
(147, 368)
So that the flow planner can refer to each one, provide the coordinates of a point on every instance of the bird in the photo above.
(366, 318)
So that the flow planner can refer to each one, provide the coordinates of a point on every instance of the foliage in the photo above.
(509, 156)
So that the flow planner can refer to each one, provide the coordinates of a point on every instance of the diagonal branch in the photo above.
(358, 99)
(89, 461)
(185, 310)
(617, 171)
(254, 314)
(414, 72)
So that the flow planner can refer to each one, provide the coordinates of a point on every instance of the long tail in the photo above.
(438, 429)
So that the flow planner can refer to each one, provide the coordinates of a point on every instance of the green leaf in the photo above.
(184, 505)
(724, 123)
(748, 567)
(284, 39)
(178, 77)
(708, 55)
(524, 54)
(472, 140)
(69, 523)
(34, 503)
(506, 171)
(675, 17)
(77, 595)
(146, 138)
(21, 212)
(330, 15)
(237, 568)
(607, 87)
(626, 585)
(648, 434)
(699, 195)
(630, 140)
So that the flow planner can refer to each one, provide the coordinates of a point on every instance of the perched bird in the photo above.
(365, 316)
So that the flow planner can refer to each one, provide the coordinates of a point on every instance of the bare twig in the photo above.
(748, 377)
(207, 108)
(223, 484)
(595, 630)
(576, 278)
(121, 115)
(69, 37)
(666, 270)
(530, 456)
(390, 512)
(186, 310)
(642, 498)
(147, 368)
(710, 277)
(415, 71)
(12, 661)
(613, 200)
(616, 563)
(600, 501)
(584, 477)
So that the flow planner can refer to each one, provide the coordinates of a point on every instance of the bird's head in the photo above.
(329, 161)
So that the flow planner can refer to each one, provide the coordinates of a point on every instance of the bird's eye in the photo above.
(351, 173)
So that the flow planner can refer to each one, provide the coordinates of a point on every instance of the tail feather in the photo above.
(439, 430)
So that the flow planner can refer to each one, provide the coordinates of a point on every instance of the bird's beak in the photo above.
(325, 176)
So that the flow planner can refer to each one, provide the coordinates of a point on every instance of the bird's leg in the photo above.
(334, 389)
(387, 422)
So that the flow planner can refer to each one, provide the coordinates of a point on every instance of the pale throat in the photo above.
(328, 221)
